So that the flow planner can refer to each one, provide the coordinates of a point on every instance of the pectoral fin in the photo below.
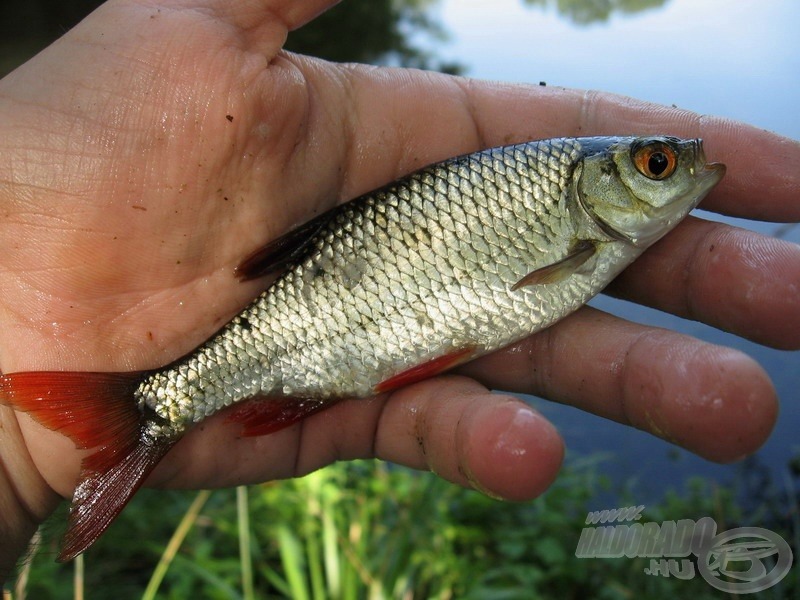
(558, 271)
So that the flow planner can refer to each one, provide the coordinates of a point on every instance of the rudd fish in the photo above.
(456, 260)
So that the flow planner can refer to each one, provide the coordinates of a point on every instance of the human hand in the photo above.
(154, 146)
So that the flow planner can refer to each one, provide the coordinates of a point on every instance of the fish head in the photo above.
(637, 189)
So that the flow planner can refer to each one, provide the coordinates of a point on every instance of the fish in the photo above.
(451, 262)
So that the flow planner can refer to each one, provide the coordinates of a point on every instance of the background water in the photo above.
(737, 59)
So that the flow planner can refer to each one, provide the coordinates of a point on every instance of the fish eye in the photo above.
(655, 160)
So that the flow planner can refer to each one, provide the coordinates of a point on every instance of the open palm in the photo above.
(154, 146)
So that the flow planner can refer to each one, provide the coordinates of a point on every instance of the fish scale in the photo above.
(458, 259)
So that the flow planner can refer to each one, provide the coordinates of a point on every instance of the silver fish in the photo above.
(456, 260)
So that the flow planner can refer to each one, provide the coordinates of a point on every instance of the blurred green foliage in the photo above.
(374, 32)
(369, 530)
(586, 12)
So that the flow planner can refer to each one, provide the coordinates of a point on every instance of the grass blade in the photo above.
(314, 560)
(245, 549)
(332, 560)
(293, 563)
(215, 582)
(79, 576)
(21, 585)
(175, 543)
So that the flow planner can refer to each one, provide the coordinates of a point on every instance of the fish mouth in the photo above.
(709, 174)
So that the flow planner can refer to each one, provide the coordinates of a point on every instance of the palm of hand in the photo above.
(160, 194)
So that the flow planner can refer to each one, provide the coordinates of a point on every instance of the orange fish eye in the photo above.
(655, 160)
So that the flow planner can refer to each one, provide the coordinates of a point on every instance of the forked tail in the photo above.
(96, 411)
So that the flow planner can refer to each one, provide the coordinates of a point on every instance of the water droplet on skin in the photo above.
(261, 130)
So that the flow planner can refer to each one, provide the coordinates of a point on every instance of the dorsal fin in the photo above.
(275, 255)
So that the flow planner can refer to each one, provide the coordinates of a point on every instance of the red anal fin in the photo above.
(263, 415)
(425, 370)
(278, 253)
(98, 411)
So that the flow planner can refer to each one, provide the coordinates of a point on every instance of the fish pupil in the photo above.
(658, 163)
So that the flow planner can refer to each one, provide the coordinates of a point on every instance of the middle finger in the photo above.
(733, 279)
(714, 401)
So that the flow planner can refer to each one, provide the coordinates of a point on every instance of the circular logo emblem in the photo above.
(745, 560)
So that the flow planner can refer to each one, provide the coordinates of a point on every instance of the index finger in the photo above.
(406, 119)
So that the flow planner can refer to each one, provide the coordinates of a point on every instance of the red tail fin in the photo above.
(95, 410)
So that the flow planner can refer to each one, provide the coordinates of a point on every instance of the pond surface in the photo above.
(735, 59)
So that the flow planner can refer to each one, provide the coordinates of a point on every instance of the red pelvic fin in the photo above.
(263, 415)
(425, 370)
(95, 410)
(277, 254)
